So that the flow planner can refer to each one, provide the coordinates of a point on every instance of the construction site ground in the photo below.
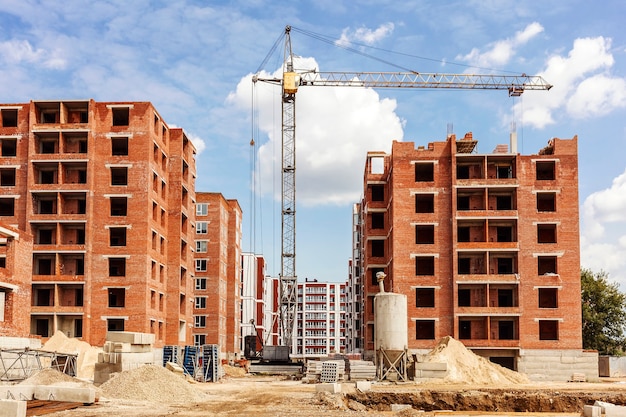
(280, 396)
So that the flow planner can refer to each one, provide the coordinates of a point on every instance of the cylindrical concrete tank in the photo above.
(390, 322)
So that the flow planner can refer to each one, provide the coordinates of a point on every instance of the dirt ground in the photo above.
(261, 396)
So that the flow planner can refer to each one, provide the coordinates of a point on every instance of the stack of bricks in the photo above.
(124, 351)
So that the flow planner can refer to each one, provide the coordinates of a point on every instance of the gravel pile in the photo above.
(151, 383)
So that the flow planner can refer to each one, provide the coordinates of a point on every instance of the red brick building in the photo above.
(485, 246)
(218, 257)
(107, 190)
(15, 259)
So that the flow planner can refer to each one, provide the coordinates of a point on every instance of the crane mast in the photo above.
(292, 80)
(288, 278)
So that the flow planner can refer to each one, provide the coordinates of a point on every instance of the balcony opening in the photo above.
(119, 146)
(377, 248)
(548, 298)
(115, 325)
(425, 234)
(506, 330)
(119, 176)
(373, 273)
(45, 236)
(377, 192)
(505, 297)
(464, 266)
(117, 267)
(71, 296)
(546, 202)
(117, 236)
(7, 177)
(9, 147)
(42, 327)
(43, 297)
(424, 203)
(548, 330)
(47, 177)
(43, 266)
(425, 265)
(546, 233)
(462, 202)
(504, 234)
(424, 172)
(9, 117)
(117, 297)
(424, 297)
(504, 171)
(504, 202)
(118, 206)
(505, 265)
(462, 172)
(121, 116)
(547, 265)
(378, 220)
(465, 329)
(545, 170)
(463, 234)
(424, 330)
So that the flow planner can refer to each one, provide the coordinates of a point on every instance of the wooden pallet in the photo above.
(42, 407)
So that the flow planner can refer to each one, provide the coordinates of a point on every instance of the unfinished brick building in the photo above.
(107, 191)
(15, 259)
(218, 257)
(485, 246)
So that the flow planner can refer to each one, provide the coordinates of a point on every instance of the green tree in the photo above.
(604, 314)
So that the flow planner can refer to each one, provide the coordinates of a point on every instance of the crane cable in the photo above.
(333, 42)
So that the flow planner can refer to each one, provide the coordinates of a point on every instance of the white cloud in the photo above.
(365, 35)
(336, 126)
(581, 85)
(596, 96)
(499, 53)
(21, 51)
(603, 241)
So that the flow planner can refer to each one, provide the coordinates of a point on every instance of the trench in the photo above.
(487, 400)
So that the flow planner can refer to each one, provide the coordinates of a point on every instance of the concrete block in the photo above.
(103, 371)
(419, 373)
(364, 386)
(17, 392)
(431, 366)
(7, 342)
(396, 408)
(147, 338)
(70, 394)
(611, 410)
(592, 411)
(12, 408)
(333, 388)
(171, 366)
(124, 337)
(139, 357)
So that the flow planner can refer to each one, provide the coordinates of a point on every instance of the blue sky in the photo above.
(194, 60)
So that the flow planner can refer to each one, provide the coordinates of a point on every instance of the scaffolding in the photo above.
(20, 364)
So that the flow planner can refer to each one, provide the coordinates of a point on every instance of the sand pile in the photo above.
(51, 376)
(151, 383)
(464, 366)
(87, 354)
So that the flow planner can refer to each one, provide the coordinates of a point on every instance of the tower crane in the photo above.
(291, 81)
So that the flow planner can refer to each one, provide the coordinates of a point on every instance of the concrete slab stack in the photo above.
(124, 351)
(362, 370)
